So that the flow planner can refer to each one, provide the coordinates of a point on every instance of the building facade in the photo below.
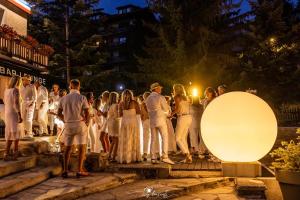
(20, 54)
(124, 36)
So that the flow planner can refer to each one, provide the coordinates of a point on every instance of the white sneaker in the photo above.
(154, 161)
(167, 160)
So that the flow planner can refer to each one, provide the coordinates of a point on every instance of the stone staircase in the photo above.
(27, 171)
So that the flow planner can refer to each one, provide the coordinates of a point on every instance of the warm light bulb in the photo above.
(239, 127)
(195, 92)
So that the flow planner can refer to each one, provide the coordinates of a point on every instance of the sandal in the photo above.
(188, 159)
(6, 157)
(64, 175)
(80, 174)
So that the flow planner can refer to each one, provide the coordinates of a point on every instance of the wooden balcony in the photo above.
(15, 50)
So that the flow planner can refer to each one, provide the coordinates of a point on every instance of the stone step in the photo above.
(159, 189)
(23, 163)
(194, 174)
(17, 182)
(251, 188)
(73, 188)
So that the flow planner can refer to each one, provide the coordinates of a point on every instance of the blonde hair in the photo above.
(127, 97)
(113, 98)
(178, 90)
(14, 82)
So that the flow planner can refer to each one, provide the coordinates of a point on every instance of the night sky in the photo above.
(110, 5)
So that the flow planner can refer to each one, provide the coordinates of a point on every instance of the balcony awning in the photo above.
(22, 4)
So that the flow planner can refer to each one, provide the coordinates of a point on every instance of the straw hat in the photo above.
(154, 86)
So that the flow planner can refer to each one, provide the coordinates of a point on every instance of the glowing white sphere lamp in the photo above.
(239, 127)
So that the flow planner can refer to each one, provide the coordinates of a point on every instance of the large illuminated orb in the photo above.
(239, 127)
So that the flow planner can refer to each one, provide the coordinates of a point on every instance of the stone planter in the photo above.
(289, 182)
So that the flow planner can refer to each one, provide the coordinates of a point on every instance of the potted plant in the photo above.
(287, 169)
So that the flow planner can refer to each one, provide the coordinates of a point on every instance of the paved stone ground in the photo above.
(72, 188)
(159, 188)
(222, 193)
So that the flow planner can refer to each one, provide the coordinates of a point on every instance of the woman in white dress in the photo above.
(129, 139)
(171, 136)
(91, 132)
(184, 120)
(104, 138)
(12, 117)
(113, 124)
(194, 129)
(98, 126)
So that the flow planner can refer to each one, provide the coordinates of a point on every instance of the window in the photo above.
(123, 40)
(116, 54)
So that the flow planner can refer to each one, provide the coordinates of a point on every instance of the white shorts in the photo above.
(77, 131)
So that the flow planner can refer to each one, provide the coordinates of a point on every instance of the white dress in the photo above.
(12, 107)
(194, 129)
(98, 127)
(113, 121)
(129, 138)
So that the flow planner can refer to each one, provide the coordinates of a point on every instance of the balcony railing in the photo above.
(16, 50)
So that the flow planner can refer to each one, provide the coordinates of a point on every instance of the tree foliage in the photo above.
(48, 23)
(212, 42)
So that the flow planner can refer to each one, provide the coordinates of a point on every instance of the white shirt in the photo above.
(73, 105)
(53, 106)
(28, 94)
(157, 108)
(42, 96)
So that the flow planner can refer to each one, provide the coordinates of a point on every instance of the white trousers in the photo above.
(42, 119)
(146, 136)
(91, 136)
(98, 145)
(194, 134)
(181, 132)
(171, 137)
(202, 146)
(155, 131)
(51, 121)
(27, 116)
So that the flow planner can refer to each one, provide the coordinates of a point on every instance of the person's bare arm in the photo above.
(177, 101)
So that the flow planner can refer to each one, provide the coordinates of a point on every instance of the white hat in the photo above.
(154, 86)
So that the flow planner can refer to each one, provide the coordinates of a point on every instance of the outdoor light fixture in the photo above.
(195, 92)
(239, 127)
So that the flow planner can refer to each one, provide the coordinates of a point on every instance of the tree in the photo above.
(196, 40)
(270, 60)
(49, 22)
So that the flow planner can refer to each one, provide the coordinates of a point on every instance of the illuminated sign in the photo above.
(22, 5)
(8, 71)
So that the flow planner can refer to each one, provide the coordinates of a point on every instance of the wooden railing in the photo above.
(288, 115)
(15, 50)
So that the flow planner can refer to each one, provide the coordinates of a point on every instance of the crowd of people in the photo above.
(125, 128)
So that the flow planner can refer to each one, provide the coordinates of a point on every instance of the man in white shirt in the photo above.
(53, 106)
(42, 107)
(158, 108)
(28, 96)
(73, 111)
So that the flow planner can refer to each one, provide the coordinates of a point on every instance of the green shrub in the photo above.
(287, 157)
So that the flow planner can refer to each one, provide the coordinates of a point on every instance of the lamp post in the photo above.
(67, 42)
